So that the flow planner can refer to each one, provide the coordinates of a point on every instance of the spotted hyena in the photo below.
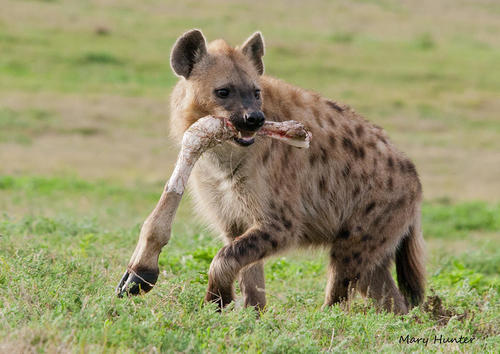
(352, 192)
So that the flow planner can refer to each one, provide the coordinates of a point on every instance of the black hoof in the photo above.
(135, 283)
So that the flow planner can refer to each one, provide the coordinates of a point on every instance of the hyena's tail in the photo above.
(410, 267)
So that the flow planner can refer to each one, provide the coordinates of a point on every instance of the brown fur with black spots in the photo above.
(352, 191)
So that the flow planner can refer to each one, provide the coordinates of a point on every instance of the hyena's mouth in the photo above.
(245, 138)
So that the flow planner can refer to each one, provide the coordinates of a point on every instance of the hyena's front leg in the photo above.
(253, 246)
(252, 285)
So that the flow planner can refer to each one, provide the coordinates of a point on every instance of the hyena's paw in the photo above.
(219, 296)
(137, 282)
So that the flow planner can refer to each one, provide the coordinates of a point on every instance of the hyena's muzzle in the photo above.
(247, 125)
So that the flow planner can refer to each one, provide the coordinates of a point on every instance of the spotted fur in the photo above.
(352, 192)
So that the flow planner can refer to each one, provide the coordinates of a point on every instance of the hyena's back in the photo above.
(351, 180)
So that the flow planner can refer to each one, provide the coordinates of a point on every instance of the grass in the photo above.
(84, 155)
(58, 267)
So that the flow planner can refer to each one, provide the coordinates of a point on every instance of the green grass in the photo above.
(58, 268)
(84, 155)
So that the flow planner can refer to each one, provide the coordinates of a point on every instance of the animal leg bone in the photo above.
(142, 271)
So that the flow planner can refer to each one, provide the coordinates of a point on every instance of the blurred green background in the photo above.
(84, 84)
(84, 153)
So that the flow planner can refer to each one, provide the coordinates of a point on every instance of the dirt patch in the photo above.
(442, 315)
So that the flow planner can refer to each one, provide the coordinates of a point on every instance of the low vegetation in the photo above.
(59, 264)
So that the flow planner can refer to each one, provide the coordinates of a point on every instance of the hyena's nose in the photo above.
(254, 120)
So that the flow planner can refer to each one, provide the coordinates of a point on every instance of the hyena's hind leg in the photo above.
(379, 285)
(252, 285)
(343, 277)
(410, 268)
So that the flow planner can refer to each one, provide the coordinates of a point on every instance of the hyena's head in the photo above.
(219, 80)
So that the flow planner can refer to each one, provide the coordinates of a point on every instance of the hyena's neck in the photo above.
(283, 101)
(227, 158)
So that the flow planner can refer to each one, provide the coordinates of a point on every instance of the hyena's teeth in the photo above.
(239, 135)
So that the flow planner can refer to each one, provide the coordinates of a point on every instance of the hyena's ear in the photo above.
(253, 48)
(189, 49)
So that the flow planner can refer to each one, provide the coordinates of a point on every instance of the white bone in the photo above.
(202, 135)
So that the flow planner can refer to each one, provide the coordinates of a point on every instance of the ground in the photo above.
(84, 154)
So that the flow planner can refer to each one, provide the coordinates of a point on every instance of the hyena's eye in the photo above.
(222, 93)
(257, 94)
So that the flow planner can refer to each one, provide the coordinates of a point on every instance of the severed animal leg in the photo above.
(142, 271)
